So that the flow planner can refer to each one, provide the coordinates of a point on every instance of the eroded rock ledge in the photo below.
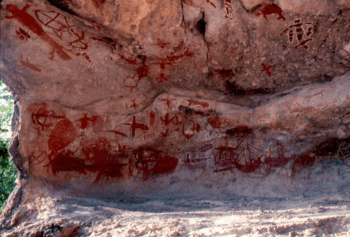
(173, 100)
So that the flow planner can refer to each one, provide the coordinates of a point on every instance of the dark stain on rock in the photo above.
(106, 40)
(303, 161)
(224, 73)
(239, 131)
(64, 5)
(330, 147)
(327, 148)
(201, 26)
(189, 111)
(327, 77)
(232, 88)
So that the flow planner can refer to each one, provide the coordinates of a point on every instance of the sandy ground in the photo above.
(237, 217)
(240, 216)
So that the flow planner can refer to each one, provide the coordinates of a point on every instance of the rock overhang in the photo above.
(177, 98)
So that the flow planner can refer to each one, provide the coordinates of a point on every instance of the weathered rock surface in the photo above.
(163, 106)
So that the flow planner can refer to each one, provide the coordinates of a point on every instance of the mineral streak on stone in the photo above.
(146, 101)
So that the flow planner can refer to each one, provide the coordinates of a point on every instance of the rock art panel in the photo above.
(177, 134)
(151, 99)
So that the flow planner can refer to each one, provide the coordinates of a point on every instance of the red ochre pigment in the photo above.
(27, 20)
(267, 69)
(98, 2)
(269, 9)
(304, 161)
(61, 135)
(281, 160)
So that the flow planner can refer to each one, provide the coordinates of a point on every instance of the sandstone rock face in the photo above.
(156, 105)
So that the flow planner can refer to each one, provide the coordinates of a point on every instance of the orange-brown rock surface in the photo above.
(128, 108)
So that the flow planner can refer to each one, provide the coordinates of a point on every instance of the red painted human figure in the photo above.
(27, 20)
(297, 29)
(167, 101)
(169, 60)
(267, 69)
(134, 105)
(167, 121)
(45, 119)
(130, 82)
(134, 125)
